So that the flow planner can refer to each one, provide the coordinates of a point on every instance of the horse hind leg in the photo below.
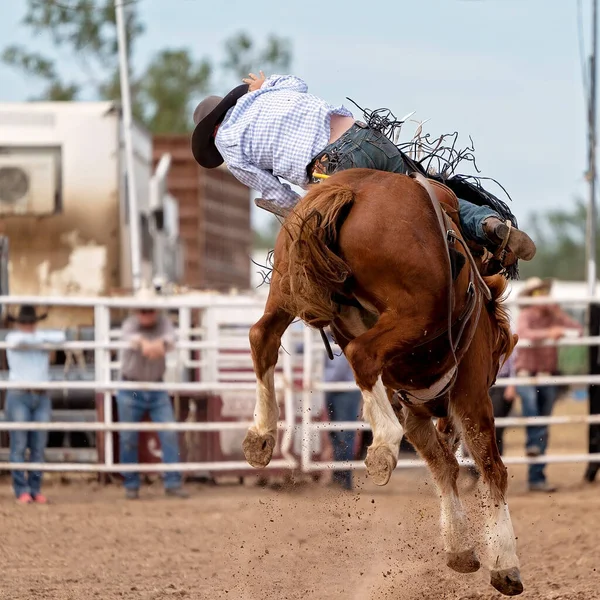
(366, 355)
(265, 339)
(477, 423)
(437, 452)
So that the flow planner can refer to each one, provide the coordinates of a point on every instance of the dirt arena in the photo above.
(305, 542)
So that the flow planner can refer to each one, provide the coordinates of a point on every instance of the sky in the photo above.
(506, 72)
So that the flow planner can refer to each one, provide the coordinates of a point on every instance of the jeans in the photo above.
(132, 407)
(537, 402)
(343, 406)
(361, 147)
(27, 407)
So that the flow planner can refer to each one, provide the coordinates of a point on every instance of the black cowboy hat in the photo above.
(27, 315)
(208, 114)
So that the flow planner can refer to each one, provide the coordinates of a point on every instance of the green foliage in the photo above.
(162, 94)
(560, 239)
(264, 237)
(242, 56)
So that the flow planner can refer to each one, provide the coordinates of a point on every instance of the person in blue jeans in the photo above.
(27, 364)
(537, 402)
(151, 336)
(539, 323)
(342, 406)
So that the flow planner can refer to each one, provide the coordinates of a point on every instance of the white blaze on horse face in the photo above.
(454, 524)
(387, 431)
(500, 536)
(266, 411)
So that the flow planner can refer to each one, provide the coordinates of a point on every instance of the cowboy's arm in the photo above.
(567, 321)
(267, 184)
(52, 337)
(168, 334)
(130, 333)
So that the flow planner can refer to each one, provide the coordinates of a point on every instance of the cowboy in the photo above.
(538, 323)
(29, 365)
(271, 128)
(150, 335)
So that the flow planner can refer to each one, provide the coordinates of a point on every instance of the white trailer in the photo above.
(63, 199)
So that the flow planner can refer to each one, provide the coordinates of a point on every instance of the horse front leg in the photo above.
(366, 355)
(265, 339)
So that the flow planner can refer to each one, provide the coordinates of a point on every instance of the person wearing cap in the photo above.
(150, 335)
(538, 323)
(272, 127)
(28, 365)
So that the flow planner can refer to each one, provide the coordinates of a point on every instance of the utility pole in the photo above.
(592, 217)
(593, 314)
(134, 217)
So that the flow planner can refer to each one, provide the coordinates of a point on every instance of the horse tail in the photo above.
(314, 270)
(506, 339)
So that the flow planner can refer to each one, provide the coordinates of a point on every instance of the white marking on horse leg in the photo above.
(266, 411)
(387, 431)
(499, 535)
(453, 522)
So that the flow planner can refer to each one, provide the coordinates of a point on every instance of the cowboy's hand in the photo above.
(156, 349)
(510, 393)
(150, 349)
(254, 82)
(557, 332)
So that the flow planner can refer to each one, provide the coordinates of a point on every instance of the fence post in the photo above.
(594, 393)
(307, 363)
(102, 372)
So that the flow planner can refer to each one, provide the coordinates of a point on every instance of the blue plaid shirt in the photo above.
(274, 132)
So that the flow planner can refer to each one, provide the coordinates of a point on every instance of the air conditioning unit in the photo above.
(28, 184)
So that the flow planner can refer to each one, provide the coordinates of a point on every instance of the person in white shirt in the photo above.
(28, 364)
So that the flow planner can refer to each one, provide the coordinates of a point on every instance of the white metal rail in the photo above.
(220, 351)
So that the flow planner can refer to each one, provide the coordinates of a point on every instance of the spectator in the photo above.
(502, 399)
(151, 336)
(24, 405)
(537, 324)
(342, 406)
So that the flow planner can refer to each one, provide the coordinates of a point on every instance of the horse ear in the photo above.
(515, 338)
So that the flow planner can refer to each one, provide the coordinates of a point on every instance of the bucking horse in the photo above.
(379, 259)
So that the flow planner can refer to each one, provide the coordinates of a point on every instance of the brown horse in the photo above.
(363, 253)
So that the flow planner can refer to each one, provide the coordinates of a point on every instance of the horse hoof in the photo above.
(380, 464)
(507, 581)
(463, 562)
(258, 449)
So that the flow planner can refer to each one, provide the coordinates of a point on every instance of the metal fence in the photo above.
(225, 366)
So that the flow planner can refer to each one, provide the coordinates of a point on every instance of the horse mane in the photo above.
(506, 341)
(314, 271)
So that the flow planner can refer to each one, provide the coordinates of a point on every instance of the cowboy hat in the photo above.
(534, 284)
(208, 114)
(27, 315)
(145, 295)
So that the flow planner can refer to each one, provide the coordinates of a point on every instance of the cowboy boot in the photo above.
(280, 211)
(513, 239)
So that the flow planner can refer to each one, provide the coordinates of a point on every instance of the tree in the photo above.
(162, 94)
(264, 237)
(241, 55)
(560, 239)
